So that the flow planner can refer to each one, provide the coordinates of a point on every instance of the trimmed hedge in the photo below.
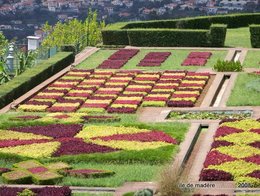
(123, 33)
(202, 22)
(167, 37)
(33, 77)
(255, 36)
(218, 35)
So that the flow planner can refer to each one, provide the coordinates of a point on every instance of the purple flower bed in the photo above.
(180, 104)
(13, 143)
(49, 104)
(55, 130)
(255, 130)
(78, 94)
(215, 175)
(227, 120)
(253, 159)
(255, 144)
(255, 174)
(64, 100)
(50, 191)
(94, 105)
(78, 146)
(36, 170)
(157, 136)
(223, 131)
(62, 109)
(155, 99)
(121, 110)
(205, 55)
(217, 144)
(127, 102)
(55, 91)
(217, 158)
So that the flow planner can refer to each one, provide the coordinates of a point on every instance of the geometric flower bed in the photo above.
(118, 59)
(31, 171)
(56, 140)
(235, 154)
(51, 191)
(154, 59)
(90, 91)
(197, 59)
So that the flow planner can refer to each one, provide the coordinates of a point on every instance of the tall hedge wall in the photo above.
(167, 37)
(123, 33)
(33, 77)
(255, 35)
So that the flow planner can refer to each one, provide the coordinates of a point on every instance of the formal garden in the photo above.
(166, 108)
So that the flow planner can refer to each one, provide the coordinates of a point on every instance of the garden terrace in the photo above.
(118, 91)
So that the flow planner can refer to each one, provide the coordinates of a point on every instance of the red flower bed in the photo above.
(154, 59)
(78, 146)
(50, 191)
(118, 59)
(155, 99)
(54, 130)
(4, 170)
(55, 91)
(94, 105)
(253, 159)
(142, 137)
(215, 175)
(134, 102)
(255, 174)
(196, 59)
(255, 144)
(78, 94)
(47, 96)
(184, 95)
(62, 85)
(217, 144)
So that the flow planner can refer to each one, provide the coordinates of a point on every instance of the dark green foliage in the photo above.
(145, 192)
(203, 22)
(69, 48)
(115, 37)
(223, 66)
(167, 37)
(255, 35)
(34, 76)
(218, 35)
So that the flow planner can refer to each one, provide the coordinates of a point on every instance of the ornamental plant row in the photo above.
(118, 91)
(118, 59)
(197, 59)
(154, 59)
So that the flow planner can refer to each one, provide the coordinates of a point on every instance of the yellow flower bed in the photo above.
(193, 99)
(33, 108)
(194, 82)
(131, 145)
(50, 94)
(66, 105)
(45, 100)
(241, 138)
(187, 92)
(124, 106)
(92, 131)
(130, 98)
(99, 101)
(133, 92)
(33, 150)
(14, 135)
(245, 125)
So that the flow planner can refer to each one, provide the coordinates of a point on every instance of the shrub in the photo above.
(223, 66)
(255, 35)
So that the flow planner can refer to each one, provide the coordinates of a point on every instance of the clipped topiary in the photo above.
(46, 178)
(58, 166)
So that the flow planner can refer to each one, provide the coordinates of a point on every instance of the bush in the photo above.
(255, 35)
(218, 35)
(115, 37)
(223, 66)
(34, 76)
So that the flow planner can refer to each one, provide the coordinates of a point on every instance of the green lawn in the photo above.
(252, 59)
(172, 63)
(239, 37)
(246, 91)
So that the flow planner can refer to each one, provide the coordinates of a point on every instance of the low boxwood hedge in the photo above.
(255, 35)
(33, 77)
